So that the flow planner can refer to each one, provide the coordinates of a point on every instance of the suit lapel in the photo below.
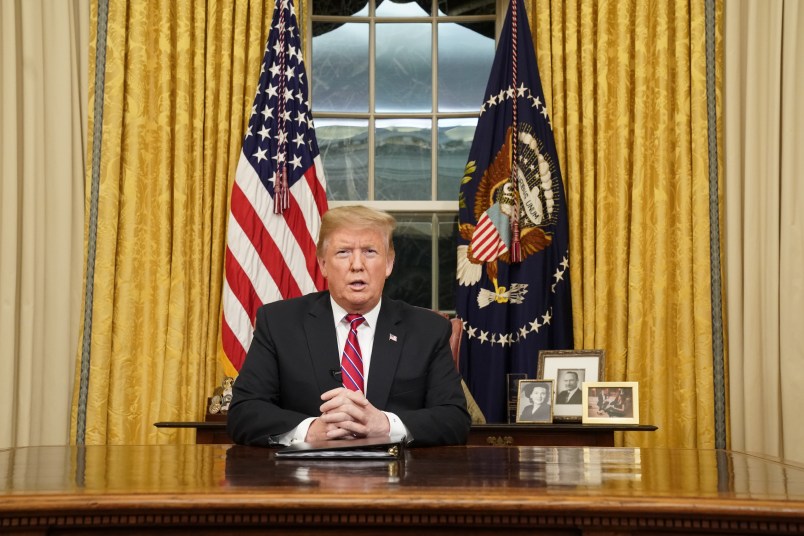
(322, 342)
(388, 340)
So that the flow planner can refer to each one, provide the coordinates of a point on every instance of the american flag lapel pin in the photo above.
(391, 337)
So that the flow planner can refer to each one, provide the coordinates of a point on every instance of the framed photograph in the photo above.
(534, 401)
(512, 380)
(611, 402)
(569, 369)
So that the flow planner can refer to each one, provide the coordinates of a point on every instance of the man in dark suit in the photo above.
(571, 393)
(292, 386)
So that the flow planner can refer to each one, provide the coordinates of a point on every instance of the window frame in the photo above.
(432, 206)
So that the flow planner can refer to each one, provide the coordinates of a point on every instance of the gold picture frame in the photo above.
(534, 401)
(610, 403)
(562, 366)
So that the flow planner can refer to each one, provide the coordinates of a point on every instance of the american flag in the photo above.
(278, 196)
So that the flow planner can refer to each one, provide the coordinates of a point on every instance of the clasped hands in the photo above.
(347, 414)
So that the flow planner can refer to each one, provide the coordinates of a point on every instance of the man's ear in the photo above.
(322, 264)
(389, 264)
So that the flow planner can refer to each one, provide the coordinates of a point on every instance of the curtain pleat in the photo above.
(175, 77)
(791, 230)
(627, 94)
(42, 121)
(764, 139)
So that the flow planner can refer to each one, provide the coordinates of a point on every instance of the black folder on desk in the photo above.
(340, 449)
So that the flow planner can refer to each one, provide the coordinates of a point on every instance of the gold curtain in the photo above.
(626, 85)
(176, 82)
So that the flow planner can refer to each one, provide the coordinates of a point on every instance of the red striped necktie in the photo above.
(352, 360)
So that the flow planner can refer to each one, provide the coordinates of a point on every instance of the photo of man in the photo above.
(570, 384)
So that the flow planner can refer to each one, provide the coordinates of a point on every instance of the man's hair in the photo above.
(574, 373)
(355, 217)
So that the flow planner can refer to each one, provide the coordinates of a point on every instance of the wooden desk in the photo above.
(562, 435)
(206, 489)
(550, 435)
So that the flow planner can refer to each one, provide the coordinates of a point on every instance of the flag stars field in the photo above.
(508, 339)
(516, 92)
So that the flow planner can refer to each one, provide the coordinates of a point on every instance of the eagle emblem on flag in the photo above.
(490, 240)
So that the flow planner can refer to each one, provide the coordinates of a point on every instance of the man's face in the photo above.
(356, 263)
(570, 381)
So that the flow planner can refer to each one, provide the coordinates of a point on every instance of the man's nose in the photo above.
(357, 261)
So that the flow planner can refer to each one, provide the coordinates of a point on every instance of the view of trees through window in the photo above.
(396, 89)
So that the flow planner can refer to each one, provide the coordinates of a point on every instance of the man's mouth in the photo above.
(357, 285)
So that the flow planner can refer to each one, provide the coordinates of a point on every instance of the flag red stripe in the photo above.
(319, 193)
(264, 244)
(486, 241)
(244, 253)
(318, 190)
(276, 226)
(486, 250)
(485, 246)
(298, 226)
(234, 350)
(238, 279)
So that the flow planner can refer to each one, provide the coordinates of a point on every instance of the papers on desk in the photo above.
(369, 448)
(351, 454)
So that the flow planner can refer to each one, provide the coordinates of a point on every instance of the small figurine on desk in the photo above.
(226, 399)
(221, 397)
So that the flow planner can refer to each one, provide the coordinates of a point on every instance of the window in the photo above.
(396, 90)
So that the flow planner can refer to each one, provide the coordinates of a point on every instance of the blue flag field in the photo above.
(511, 308)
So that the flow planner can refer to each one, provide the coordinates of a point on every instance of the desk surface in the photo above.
(573, 427)
(568, 490)
(553, 434)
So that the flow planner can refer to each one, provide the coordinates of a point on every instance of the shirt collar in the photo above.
(339, 312)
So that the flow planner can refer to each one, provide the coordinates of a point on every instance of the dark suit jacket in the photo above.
(577, 397)
(295, 349)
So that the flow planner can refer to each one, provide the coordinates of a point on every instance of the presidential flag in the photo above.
(513, 292)
(278, 196)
